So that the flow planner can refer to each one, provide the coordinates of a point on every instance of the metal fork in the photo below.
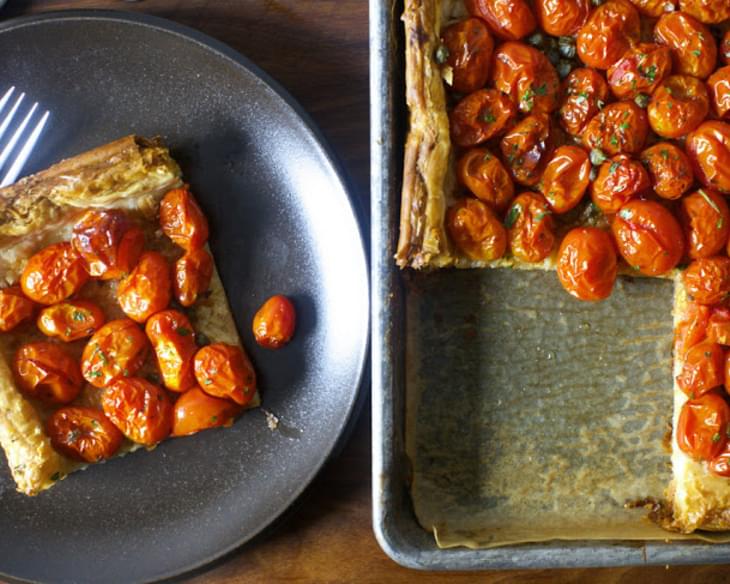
(22, 152)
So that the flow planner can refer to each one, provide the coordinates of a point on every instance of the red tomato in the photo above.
(475, 230)
(718, 327)
(83, 434)
(469, 47)
(509, 20)
(15, 307)
(140, 409)
(610, 31)
(480, 116)
(274, 323)
(639, 70)
(702, 427)
(618, 181)
(678, 106)
(562, 17)
(118, 349)
(706, 221)
(708, 147)
(720, 465)
(566, 178)
(618, 128)
(585, 92)
(195, 410)
(71, 320)
(45, 371)
(707, 280)
(703, 369)
(526, 148)
(654, 8)
(693, 48)
(719, 86)
(531, 229)
(587, 263)
(486, 177)
(225, 371)
(709, 11)
(53, 274)
(173, 339)
(669, 169)
(691, 328)
(193, 273)
(147, 289)
(182, 220)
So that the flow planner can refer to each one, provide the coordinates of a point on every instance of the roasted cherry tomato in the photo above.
(654, 8)
(526, 148)
(225, 371)
(707, 280)
(83, 434)
(562, 17)
(587, 263)
(140, 409)
(702, 427)
(53, 274)
(708, 11)
(15, 307)
(720, 465)
(708, 148)
(274, 322)
(475, 230)
(669, 169)
(173, 340)
(692, 328)
(486, 177)
(618, 128)
(116, 350)
(147, 289)
(182, 220)
(469, 47)
(678, 106)
(706, 220)
(610, 31)
(510, 20)
(193, 272)
(718, 327)
(531, 229)
(639, 70)
(648, 237)
(693, 48)
(480, 116)
(719, 86)
(585, 92)
(108, 243)
(703, 369)
(527, 77)
(195, 410)
(724, 48)
(566, 178)
(618, 181)
(71, 320)
(45, 371)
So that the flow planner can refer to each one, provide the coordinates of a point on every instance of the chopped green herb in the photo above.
(600, 104)
(96, 373)
(94, 423)
(182, 331)
(649, 73)
(710, 202)
(55, 476)
(642, 100)
(214, 419)
(77, 315)
(716, 437)
(624, 126)
(614, 140)
(541, 89)
(719, 223)
(664, 153)
(487, 157)
(708, 354)
(625, 214)
(697, 53)
(582, 96)
(208, 381)
(442, 54)
(613, 168)
(125, 372)
(488, 116)
(598, 157)
(541, 215)
(512, 216)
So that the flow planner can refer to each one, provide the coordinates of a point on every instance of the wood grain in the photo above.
(318, 49)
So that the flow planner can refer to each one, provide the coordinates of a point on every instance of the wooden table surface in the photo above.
(318, 49)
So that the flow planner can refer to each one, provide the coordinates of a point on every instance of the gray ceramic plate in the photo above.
(281, 221)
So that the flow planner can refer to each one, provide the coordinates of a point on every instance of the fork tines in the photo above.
(20, 151)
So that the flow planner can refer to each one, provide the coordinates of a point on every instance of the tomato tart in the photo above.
(115, 331)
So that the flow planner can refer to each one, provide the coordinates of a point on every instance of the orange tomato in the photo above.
(639, 70)
(274, 322)
(719, 86)
(706, 220)
(509, 20)
(703, 369)
(108, 242)
(720, 464)
(708, 11)
(702, 426)
(618, 181)
(475, 230)
(526, 148)
(610, 31)
(193, 273)
(562, 17)
(618, 128)
(530, 228)
(486, 177)
(147, 289)
(585, 92)
(182, 220)
(15, 307)
(225, 371)
(566, 178)
(53, 274)
(118, 349)
(587, 263)
(707, 280)
(654, 8)
(718, 328)
(669, 169)
(691, 328)
(708, 147)
(140, 409)
(678, 106)
(648, 237)
(693, 47)
(173, 340)
(71, 320)
(195, 410)
(45, 371)
(480, 116)
(83, 434)
(468, 47)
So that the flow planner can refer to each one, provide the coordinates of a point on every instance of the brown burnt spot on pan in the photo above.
(660, 511)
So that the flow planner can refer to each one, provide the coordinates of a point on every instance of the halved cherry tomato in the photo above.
(691, 329)
(195, 410)
(53, 274)
(708, 147)
(585, 92)
(708, 11)
(639, 70)
(480, 116)
(648, 237)
(562, 17)
(530, 228)
(566, 178)
(173, 339)
(469, 48)
(706, 220)
(486, 177)
(669, 169)
(703, 369)
(118, 349)
(610, 31)
(718, 327)
(147, 289)
(587, 263)
(693, 47)
(108, 242)
(703, 426)
(618, 181)
(720, 464)
(707, 280)
(274, 322)
(140, 409)
(526, 148)
(618, 128)
(508, 20)
(182, 220)
(45, 371)
(193, 272)
(654, 8)
(719, 86)
(475, 230)
(83, 434)
(526, 75)
(225, 371)
(15, 307)
(71, 320)
(678, 106)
